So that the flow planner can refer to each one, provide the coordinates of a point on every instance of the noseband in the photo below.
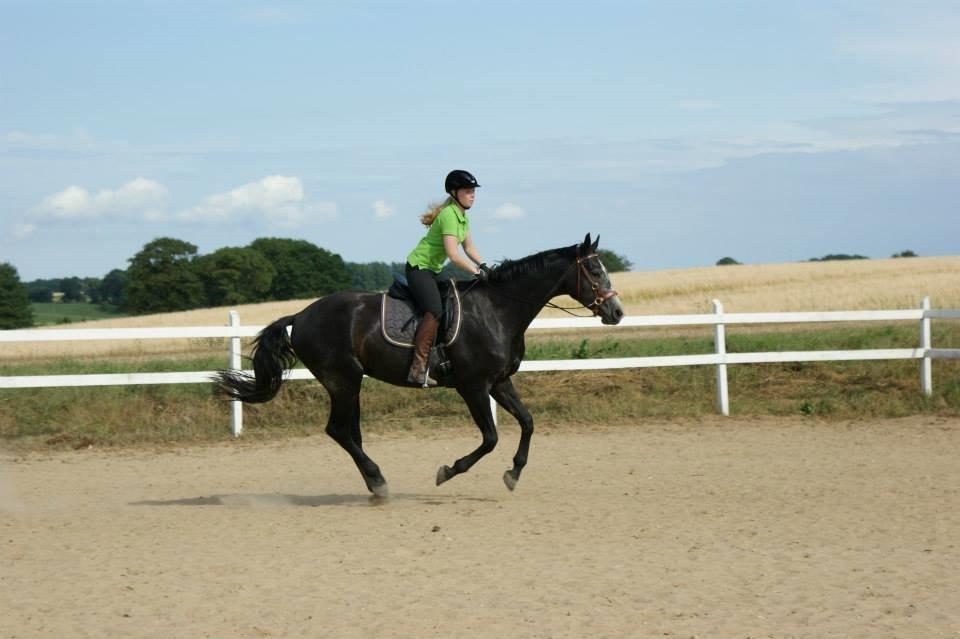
(600, 294)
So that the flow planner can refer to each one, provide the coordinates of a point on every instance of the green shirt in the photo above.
(429, 253)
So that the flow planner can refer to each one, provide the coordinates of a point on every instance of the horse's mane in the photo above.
(508, 270)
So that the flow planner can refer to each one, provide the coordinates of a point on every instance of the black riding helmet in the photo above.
(459, 179)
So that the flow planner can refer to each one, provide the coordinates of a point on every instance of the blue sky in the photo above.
(681, 132)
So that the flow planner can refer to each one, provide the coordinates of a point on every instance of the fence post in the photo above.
(236, 406)
(926, 364)
(720, 347)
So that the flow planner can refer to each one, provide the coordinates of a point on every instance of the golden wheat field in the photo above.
(805, 286)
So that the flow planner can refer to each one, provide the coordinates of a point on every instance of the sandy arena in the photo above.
(720, 528)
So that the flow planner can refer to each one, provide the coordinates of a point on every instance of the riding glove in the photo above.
(483, 272)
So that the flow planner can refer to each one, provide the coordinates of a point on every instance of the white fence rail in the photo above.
(719, 358)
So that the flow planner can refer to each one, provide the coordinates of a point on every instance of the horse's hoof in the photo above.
(380, 490)
(509, 480)
(443, 474)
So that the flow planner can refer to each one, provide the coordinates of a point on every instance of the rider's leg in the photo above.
(426, 335)
(423, 285)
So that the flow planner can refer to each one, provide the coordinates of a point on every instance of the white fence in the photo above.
(924, 352)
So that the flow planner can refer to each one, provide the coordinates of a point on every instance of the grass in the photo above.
(32, 419)
(47, 313)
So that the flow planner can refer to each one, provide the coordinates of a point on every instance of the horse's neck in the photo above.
(522, 298)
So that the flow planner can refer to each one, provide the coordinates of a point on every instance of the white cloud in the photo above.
(137, 197)
(78, 139)
(382, 210)
(72, 202)
(278, 198)
(509, 211)
(20, 231)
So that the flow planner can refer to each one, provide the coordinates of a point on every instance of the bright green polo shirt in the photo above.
(429, 253)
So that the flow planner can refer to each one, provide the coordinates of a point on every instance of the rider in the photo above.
(448, 229)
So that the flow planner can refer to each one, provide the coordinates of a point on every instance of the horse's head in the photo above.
(588, 283)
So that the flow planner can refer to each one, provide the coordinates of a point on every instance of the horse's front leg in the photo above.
(477, 399)
(506, 396)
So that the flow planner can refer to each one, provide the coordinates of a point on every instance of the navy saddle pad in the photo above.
(399, 316)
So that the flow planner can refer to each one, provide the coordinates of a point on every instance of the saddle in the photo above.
(399, 315)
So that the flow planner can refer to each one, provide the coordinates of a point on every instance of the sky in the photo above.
(679, 131)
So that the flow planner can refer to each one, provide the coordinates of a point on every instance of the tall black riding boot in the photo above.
(426, 334)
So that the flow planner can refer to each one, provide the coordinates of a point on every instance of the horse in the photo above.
(338, 339)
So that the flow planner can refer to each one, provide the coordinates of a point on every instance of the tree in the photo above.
(303, 269)
(726, 261)
(91, 289)
(15, 309)
(42, 290)
(907, 253)
(838, 256)
(161, 278)
(614, 262)
(111, 288)
(72, 289)
(234, 276)
(373, 276)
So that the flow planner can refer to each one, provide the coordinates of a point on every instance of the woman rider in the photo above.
(448, 229)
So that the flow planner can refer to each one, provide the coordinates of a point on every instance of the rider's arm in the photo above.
(452, 248)
(471, 250)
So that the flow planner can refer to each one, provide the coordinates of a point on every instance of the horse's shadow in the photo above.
(278, 500)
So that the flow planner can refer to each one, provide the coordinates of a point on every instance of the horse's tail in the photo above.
(273, 354)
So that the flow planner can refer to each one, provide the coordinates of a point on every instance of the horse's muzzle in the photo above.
(611, 311)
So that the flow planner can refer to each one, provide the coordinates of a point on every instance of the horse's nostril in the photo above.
(618, 313)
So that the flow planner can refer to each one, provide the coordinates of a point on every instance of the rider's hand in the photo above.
(483, 272)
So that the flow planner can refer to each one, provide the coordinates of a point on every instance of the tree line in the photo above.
(830, 257)
(169, 274)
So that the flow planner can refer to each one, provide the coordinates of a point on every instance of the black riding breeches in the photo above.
(423, 285)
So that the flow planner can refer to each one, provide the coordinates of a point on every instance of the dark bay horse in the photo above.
(338, 339)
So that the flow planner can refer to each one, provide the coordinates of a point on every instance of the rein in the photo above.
(600, 294)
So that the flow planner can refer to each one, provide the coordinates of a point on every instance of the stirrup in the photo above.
(427, 379)
(425, 382)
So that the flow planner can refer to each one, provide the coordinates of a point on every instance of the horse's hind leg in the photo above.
(344, 427)
(506, 396)
(479, 405)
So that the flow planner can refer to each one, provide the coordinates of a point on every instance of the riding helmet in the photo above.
(459, 179)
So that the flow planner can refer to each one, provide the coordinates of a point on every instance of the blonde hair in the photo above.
(433, 210)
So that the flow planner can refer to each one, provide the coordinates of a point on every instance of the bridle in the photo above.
(600, 294)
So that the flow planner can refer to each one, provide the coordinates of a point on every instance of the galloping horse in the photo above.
(338, 339)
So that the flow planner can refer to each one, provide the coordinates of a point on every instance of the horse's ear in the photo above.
(596, 243)
(586, 242)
